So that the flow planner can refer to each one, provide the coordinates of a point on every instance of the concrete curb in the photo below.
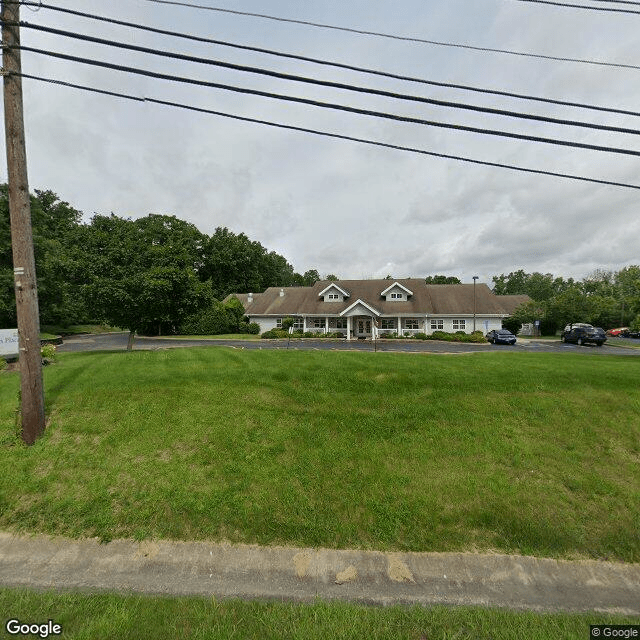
(284, 573)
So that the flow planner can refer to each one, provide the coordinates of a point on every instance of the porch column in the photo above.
(304, 324)
(326, 324)
(399, 326)
(348, 328)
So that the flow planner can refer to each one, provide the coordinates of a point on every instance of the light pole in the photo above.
(474, 301)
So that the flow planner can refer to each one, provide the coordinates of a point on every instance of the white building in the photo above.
(357, 308)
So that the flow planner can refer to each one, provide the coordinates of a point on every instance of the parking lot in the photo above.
(118, 342)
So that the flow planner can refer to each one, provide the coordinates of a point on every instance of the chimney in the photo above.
(282, 293)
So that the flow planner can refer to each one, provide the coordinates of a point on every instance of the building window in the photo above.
(459, 325)
(396, 296)
(387, 323)
(411, 323)
(341, 323)
(318, 323)
(333, 296)
(297, 323)
(437, 325)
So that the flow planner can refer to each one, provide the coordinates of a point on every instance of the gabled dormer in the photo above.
(396, 293)
(333, 293)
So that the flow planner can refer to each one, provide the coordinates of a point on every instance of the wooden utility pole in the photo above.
(24, 268)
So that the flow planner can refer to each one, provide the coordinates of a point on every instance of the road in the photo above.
(118, 342)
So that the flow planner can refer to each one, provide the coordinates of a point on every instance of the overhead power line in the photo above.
(332, 84)
(566, 5)
(351, 67)
(335, 135)
(632, 2)
(333, 106)
(358, 31)
(200, 6)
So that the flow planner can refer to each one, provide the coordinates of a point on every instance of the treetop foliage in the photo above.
(604, 298)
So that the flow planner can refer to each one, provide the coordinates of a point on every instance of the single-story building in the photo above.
(369, 308)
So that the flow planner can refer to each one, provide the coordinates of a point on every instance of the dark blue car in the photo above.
(501, 336)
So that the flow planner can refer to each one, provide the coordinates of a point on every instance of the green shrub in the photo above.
(458, 336)
(48, 353)
(253, 328)
(275, 333)
(420, 336)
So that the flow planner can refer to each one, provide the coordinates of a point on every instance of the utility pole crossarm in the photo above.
(24, 269)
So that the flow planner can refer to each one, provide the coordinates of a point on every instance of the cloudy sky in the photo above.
(341, 207)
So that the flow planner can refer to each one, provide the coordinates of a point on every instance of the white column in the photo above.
(399, 326)
(326, 324)
(348, 328)
(304, 324)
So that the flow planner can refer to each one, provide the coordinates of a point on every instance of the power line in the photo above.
(333, 106)
(560, 4)
(337, 28)
(332, 84)
(619, 2)
(335, 135)
(258, 15)
(351, 67)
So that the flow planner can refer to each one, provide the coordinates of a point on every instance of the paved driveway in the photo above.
(118, 342)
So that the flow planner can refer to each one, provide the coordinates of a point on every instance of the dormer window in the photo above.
(333, 293)
(396, 292)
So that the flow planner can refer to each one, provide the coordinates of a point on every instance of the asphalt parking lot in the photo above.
(118, 342)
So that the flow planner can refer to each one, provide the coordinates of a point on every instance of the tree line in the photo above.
(159, 274)
(605, 299)
(148, 275)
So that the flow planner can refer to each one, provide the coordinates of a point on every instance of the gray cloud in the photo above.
(334, 205)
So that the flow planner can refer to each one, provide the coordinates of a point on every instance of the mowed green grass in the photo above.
(522, 453)
(111, 616)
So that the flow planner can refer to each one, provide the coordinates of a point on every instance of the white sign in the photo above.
(9, 343)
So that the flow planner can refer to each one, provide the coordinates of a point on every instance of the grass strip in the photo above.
(114, 616)
(535, 454)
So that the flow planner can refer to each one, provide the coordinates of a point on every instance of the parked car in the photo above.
(582, 333)
(501, 336)
(621, 331)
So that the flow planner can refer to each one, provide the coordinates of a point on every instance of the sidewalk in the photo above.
(283, 573)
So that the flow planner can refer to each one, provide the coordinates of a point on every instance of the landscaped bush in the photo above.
(274, 334)
(253, 328)
(459, 336)
(420, 336)
(48, 353)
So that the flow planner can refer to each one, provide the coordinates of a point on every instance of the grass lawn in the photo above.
(528, 453)
(107, 616)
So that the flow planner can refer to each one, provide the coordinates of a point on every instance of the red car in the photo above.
(618, 332)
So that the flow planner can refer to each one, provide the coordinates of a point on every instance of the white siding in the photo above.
(266, 324)
(447, 324)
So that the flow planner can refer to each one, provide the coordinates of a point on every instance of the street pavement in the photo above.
(298, 574)
(118, 342)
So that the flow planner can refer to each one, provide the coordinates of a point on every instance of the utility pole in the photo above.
(24, 268)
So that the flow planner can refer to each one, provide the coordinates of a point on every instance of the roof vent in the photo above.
(282, 293)
(250, 298)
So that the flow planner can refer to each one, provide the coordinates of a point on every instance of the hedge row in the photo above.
(459, 336)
